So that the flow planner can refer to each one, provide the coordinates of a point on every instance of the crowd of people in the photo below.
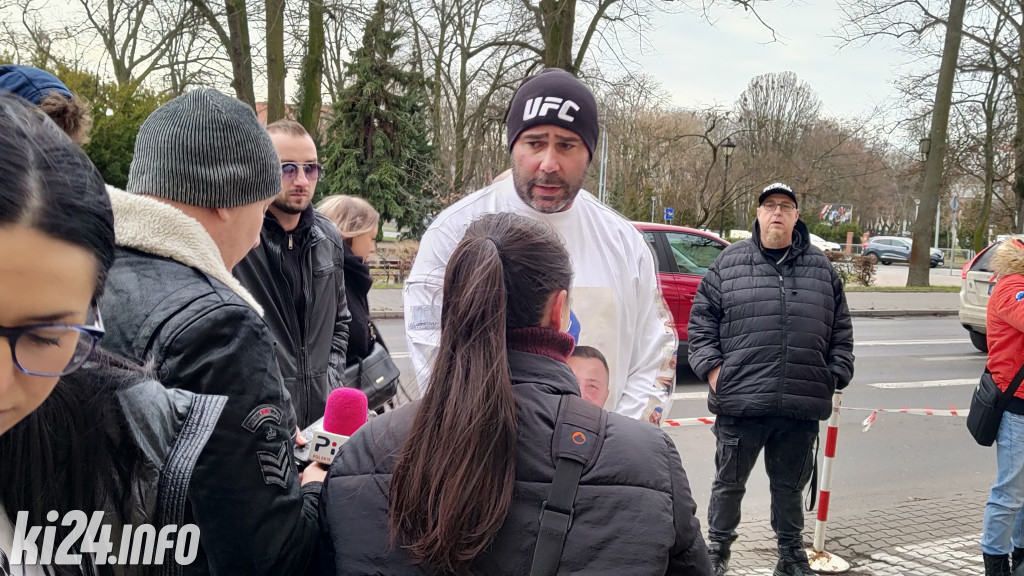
(169, 342)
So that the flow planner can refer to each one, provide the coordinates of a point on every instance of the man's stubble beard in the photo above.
(523, 183)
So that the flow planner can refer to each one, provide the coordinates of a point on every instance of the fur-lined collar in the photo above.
(156, 228)
(1008, 259)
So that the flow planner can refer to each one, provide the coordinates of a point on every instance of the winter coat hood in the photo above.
(1009, 258)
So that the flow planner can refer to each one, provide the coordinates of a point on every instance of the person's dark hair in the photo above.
(48, 183)
(451, 487)
(63, 455)
(590, 352)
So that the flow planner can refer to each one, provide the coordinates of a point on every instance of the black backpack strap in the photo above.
(578, 437)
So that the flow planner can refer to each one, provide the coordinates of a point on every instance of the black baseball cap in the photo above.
(777, 188)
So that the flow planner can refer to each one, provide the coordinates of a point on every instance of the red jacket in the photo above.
(1005, 318)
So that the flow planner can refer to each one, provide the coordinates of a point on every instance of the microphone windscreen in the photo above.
(346, 411)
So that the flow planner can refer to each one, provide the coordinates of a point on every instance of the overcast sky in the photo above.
(700, 63)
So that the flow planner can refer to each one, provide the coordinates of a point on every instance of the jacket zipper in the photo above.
(785, 339)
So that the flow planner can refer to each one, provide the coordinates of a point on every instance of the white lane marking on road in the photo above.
(690, 396)
(953, 358)
(399, 354)
(911, 342)
(925, 383)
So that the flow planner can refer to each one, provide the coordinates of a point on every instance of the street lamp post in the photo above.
(727, 147)
(917, 204)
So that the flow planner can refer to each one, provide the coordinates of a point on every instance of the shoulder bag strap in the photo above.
(578, 437)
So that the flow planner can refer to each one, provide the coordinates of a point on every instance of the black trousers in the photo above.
(788, 459)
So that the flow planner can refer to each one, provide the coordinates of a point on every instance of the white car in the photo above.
(825, 245)
(977, 281)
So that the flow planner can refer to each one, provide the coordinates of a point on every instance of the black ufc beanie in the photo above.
(557, 98)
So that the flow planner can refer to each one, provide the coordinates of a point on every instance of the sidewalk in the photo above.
(386, 303)
(918, 538)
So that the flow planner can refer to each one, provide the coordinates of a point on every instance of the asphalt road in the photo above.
(900, 363)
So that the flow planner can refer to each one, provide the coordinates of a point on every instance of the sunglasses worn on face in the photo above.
(771, 206)
(52, 349)
(312, 170)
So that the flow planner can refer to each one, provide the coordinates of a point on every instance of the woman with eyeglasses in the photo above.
(79, 429)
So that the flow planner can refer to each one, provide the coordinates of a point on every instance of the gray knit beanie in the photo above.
(205, 149)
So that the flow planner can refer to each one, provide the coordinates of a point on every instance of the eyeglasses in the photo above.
(312, 170)
(786, 207)
(52, 349)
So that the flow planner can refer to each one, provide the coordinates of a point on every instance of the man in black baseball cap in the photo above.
(773, 353)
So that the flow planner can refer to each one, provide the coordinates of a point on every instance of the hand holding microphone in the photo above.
(345, 413)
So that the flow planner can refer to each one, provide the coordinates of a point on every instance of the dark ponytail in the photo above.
(452, 485)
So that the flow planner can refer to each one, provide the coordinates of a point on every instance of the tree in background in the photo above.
(377, 144)
(118, 111)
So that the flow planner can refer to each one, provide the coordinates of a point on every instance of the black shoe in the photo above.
(1016, 559)
(997, 564)
(719, 554)
(793, 563)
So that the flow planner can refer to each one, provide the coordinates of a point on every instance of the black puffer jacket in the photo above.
(781, 332)
(312, 365)
(634, 513)
(203, 333)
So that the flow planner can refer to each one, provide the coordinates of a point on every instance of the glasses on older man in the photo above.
(786, 207)
(52, 349)
(312, 170)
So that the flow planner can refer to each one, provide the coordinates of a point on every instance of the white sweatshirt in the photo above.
(615, 295)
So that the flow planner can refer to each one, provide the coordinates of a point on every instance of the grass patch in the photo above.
(386, 286)
(850, 288)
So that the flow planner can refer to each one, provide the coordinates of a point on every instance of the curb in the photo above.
(396, 315)
(896, 313)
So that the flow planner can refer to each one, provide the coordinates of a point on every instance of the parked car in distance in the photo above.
(889, 249)
(976, 282)
(825, 245)
(682, 257)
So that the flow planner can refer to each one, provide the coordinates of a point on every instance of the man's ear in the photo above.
(223, 214)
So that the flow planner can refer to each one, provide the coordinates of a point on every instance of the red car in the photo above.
(682, 256)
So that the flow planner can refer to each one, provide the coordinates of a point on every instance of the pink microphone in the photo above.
(346, 411)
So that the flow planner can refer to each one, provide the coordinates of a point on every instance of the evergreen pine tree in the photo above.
(377, 144)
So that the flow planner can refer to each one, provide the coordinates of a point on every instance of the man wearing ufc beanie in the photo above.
(616, 304)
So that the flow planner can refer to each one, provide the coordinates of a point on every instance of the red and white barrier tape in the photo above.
(708, 420)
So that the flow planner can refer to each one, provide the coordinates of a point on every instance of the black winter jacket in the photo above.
(634, 513)
(311, 366)
(169, 429)
(358, 283)
(781, 332)
(203, 334)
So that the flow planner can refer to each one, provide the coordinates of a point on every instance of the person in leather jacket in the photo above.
(297, 275)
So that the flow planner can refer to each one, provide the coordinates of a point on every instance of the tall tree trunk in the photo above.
(275, 60)
(1018, 143)
(559, 18)
(310, 95)
(240, 52)
(920, 258)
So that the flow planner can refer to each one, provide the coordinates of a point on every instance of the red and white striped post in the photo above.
(822, 562)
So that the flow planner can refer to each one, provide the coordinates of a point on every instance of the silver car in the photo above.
(977, 280)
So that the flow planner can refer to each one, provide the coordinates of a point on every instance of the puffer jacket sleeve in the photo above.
(705, 319)
(252, 514)
(689, 555)
(840, 350)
